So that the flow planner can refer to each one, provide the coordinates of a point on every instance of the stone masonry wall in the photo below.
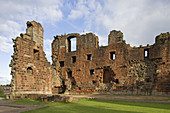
(114, 69)
(31, 72)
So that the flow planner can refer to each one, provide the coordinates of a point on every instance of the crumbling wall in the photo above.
(142, 76)
(91, 63)
(128, 70)
(117, 68)
(31, 72)
(163, 64)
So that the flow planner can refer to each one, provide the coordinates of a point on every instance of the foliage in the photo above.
(1, 91)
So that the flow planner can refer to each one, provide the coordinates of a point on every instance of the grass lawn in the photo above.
(97, 106)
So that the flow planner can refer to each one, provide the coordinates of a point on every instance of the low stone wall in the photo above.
(22, 96)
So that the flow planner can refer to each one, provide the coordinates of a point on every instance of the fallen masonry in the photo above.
(86, 68)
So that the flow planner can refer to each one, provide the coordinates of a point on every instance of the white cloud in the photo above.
(79, 11)
(139, 20)
(4, 80)
(47, 42)
(14, 15)
(5, 46)
(40, 10)
(85, 10)
(8, 30)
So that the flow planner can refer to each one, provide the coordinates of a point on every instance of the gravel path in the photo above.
(155, 99)
(6, 107)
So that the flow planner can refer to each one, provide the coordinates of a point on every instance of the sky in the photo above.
(139, 20)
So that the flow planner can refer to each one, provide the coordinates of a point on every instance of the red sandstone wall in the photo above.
(131, 72)
(31, 72)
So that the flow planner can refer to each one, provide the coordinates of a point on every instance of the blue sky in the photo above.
(139, 20)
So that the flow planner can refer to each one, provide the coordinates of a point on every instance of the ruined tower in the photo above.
(31, 72)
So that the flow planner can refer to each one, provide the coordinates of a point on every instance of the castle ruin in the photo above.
(114, 69)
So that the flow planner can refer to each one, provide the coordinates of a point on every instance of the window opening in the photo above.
(117, 81)
(73, 59)
(36, 54)
(72, 41)
(146, 53)
(69, 74)
(119, 38)
(94, 82)
(112, 55)
(89, 57)
(29, 71)
(61, 63)
(92, 72)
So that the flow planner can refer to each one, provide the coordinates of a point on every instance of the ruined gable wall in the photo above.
(31, 72)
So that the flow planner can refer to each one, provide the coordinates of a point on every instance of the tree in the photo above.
(1, 91)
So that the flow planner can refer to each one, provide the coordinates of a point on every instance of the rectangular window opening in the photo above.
(72, 44)
(69, 74)
(89, 57)
(61, 63)
(117, 81)
(73, 59)
(112, 55)
(146, 53)
(92, 72)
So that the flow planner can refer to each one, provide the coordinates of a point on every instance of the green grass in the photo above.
(97, 106)
(30, 102)
(3, 96)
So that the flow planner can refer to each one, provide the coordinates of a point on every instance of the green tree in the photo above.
(1, 91)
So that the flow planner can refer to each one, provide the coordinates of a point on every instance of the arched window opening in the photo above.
(36, 54)
(29, 71)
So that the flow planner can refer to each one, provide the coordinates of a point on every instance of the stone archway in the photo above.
(108, 75)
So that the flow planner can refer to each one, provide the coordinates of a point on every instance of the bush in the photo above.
(1, 91)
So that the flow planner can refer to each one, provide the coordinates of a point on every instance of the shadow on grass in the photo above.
(28, 102)
(76, 107)
(139, 104)
(91, 106)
